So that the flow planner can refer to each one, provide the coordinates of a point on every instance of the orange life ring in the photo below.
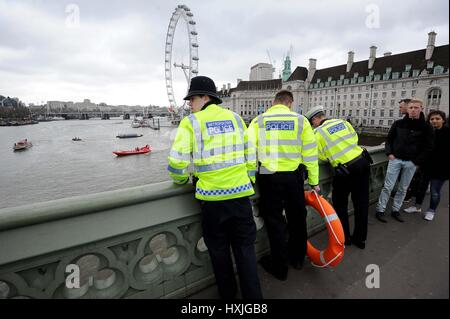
(334, 253)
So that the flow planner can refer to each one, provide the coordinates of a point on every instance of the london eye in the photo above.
(190, 69)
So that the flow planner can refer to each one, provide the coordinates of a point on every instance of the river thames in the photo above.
(57, 167)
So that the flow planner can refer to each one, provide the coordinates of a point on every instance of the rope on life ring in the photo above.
(334, 253)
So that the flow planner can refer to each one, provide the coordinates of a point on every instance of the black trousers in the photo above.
(284, 190)
(228, 224)
(416, 186)
(356, 184)
(422, 186)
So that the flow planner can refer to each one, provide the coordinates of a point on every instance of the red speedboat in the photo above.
(138, 150)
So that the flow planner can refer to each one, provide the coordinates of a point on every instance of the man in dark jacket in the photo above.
(408, 145)
(403, 110)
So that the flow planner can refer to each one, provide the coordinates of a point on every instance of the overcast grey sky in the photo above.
(116, 53)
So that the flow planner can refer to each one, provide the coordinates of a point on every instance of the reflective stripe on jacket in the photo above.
(284, 140)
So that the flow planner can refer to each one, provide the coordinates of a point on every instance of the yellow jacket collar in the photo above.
(277, 108)
(208, 107)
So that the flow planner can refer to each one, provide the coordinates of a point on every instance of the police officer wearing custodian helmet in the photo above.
(216, 140)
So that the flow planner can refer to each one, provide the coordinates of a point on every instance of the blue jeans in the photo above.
(393, 170)
(435, 193)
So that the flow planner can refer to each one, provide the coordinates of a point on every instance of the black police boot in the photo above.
(348, 241)
(397, 217)
(297, 264)
(359, 244)
(380, 217)
(280, 274)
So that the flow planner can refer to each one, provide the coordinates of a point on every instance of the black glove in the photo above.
(194, 180)
(367, 156)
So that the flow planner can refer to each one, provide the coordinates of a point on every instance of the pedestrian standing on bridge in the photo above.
(436, 170)
(415, 183)
(284, 140)
(403, 106)
(408, 145)
(337, 143)
(216, 140)
(403, 110)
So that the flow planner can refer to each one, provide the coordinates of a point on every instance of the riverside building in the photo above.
(365, 92)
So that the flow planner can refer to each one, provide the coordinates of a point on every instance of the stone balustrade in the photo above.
(140, 242)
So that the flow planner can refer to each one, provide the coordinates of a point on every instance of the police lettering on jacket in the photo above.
(280, 125)
(220, 127)
(336, 128)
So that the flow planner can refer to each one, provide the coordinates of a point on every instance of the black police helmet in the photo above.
(202, 85)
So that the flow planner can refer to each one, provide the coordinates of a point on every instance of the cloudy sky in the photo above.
(113, 51)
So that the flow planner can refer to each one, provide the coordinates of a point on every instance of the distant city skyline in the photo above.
(43, 103)
(87, 100)
(113, 53)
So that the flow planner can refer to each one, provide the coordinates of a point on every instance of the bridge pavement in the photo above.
(413, 260)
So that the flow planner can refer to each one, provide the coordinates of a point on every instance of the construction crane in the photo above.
(270, 58)
(272, 62)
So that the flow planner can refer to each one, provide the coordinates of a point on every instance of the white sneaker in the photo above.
(412, 210)
(429, 216)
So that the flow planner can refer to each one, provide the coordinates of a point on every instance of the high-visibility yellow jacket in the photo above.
(216, 140)
(337, 142)
(284, 140)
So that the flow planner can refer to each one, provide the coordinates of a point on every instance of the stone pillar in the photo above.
(373, 53)
(430, 46)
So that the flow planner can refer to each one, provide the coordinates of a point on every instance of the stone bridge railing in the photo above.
(140, 242)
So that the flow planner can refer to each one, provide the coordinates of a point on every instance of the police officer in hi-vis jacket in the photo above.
(285, 143)
(216, 141)
(337, 143)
